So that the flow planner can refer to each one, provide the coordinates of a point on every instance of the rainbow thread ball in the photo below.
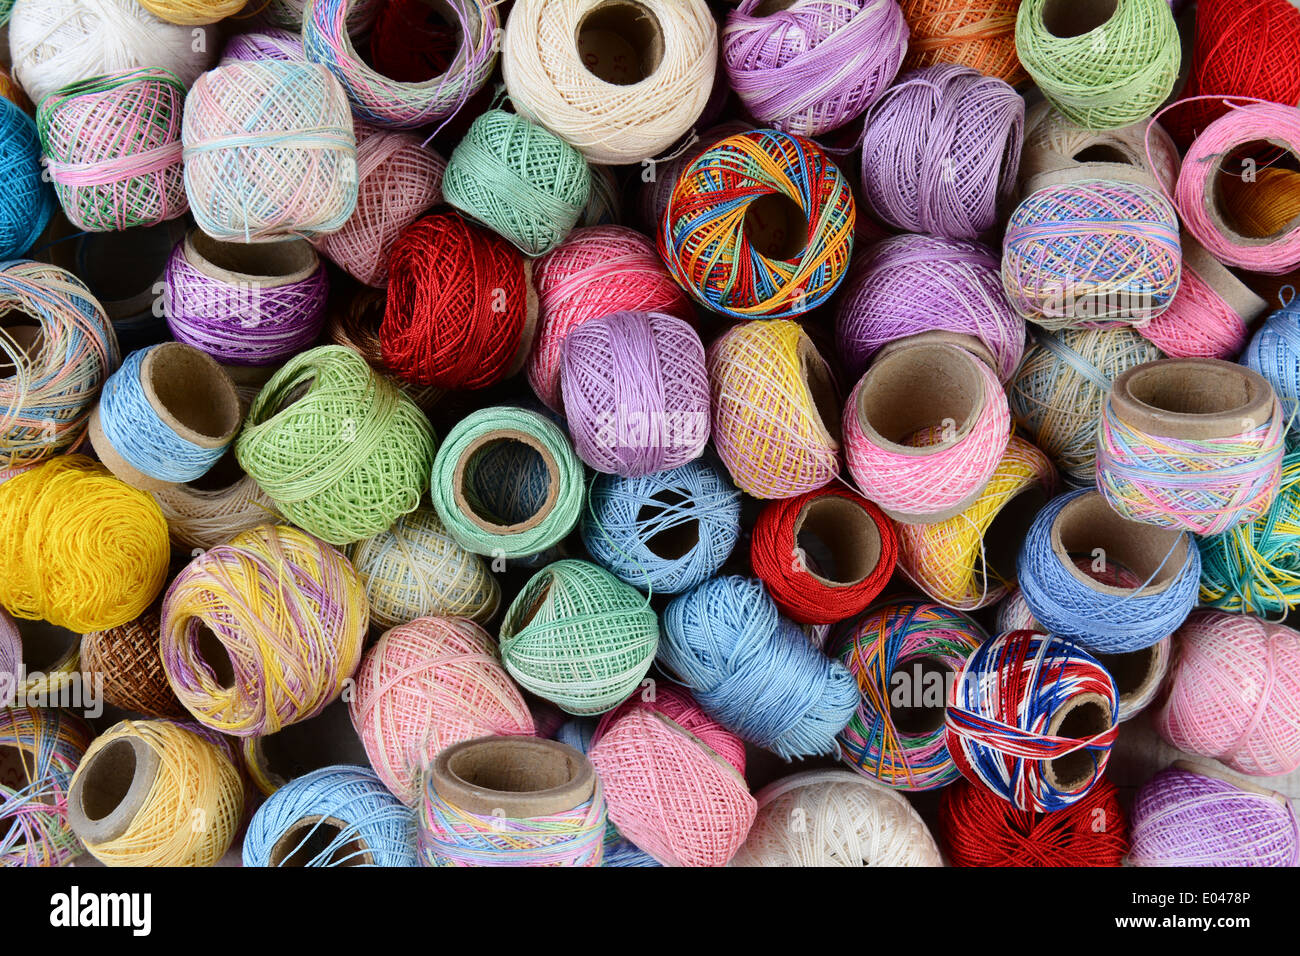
(579, 637)
(190, 12)
(269, 152)
(28, 202)
(760, 225)
(39, 752)
(1092, 253)
(1274, 352)
(518, 179)
(636, 393)
(425, 686)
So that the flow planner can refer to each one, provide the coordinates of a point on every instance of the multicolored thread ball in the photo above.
(976, 33)
(360, 16)
(128, 660)
(1274, 352)
(759, 226)
(28, 201)
(42, 748)
(652, 197)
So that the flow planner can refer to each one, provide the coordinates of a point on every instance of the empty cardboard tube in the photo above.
(317, 831)
(111, 788)
(513, 777)
(267, 265)
(850, 537)
(621, 42)
(960, 339)
(1136, 674)
(1192, 398)
(1087, 523)
(462, 498)
(1078, 718)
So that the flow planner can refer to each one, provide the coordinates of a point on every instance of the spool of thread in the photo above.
(902, 654)
(1102, 63)
(824, 555)
(353, 321)
(193, 11)
(1092, 252)
(1233, 693)
(39, 751)
(413, 40)
(128, 661)
(846, 821)
(112, 148)
(636, 393)
(506, 483)
(1191, 443)
(760, 225)
(806, 67)
(56, 42)
(1274, 352)
(776, 413)
(518, 179)
(56, 350)
(11, 654)
(619, 79)
(1057, 149)
(269, 152)
(335, 816)
(511, 801)
(155, 793)
(969, 560)
(596, 271)
(925, 462)
(907, 285)
(977, 34)
(262, 632)
(663, 533)
(245, 305)
(341, 452)
(1033, 718)
(579, 637)
(1106, 616)
(359, 18)
(214, 508)
(78, 548)
(327, 37)
(122, 269)
(980, 829)
(271, 43)
(28, 201)
(1188, 815)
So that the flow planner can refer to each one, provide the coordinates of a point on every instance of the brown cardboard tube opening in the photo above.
(192, 394)
(268, 263)
(514, 777)
(1236, 184)
(888, 409)
(311, 837)
(1103, 153)
(676, 540)
(108, 779)
(110, 788)
(45, 645)
(821, 389)
(917, 694)
(493, 503)
(1072, 18)
(213, 654)
(1007, 530)
(840, 541)
(26, 337)
(621, 42)
(776, 226)
(1077, 719)
(1134, 672)
(1192, 398)
(1088, 528)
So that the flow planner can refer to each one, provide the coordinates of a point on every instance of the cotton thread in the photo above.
(128, 660)
(271, 43)
(1057, 148)
(976, 33)
(359, 18)
(47, 745)
(29, 202)
(1211, 312)
(1274, 352)
(215, 508)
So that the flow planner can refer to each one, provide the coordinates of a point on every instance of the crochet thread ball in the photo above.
(425, 686)
(193, 11)
(1033, 718)
(1103, 65)
(595, 271)
(271, 43)
(843, 820)
(1274, 352)
(262, 632)
(338, 448)
(652, 197)
(1058, 149)
(41, 748)
(128, 660)
(78, 548)
(354, 321)
(359, 18)
(760, 225)
(518, 179)
(776, 415)
(907, 285)
(636, 393)
(56, 350)
(1233, 693)
(808, 67)
(214, 508)
(941, 150)
(269, 152)
(28, 200)
(677, 704)
(663, 533)
(579, 637)
(901, 654)
(334, 816)
(978, 34)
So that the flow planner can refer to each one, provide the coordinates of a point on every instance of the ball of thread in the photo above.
(49, 743)
(663, 533)
(1007, 713)
(215, 508)
(271, 43)
(975, 33)
(11, 651)
(595, 271)
(193, 11)
(519, 179)
(347, 458)
(678, 705)
(1233, 693)
(775, 410)
(358, 19)
(846, 821)
(112, 147)
(128, 660)
(808, 67)
(1091, 253)
(28, 200)
(754, 672)
(1056, 147)
(900, 653)
(334, 816)
(1184, 818)
(459, 305)
(1102, 65)
(579, 637)
(56, 42)
(262, 632)
(79, 548)
(909, 284)
(1274, 352)
(54, 365)
(979, 828)
(636, 393)
(619, 82)
(400, 178)
(941, 150)
(760, 225)
(413, 41)
(269, 152)
(1211, 312)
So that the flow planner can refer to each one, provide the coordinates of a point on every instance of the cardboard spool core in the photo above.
(513, 777)
(621, 42)
(1134, 672)
(1088, 522)
(308, 837)
(917, 719)
(960, 339)
(673, 543)
(1078, 718)
(111, 788)
(776, 227)
(490, 522)
(265, 264)
(820, 384)
(1071, 18)
(1192, 398)
(1217, 202)
(1225, 283)
(1215, 772)
(26, 334)
(840, 541)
